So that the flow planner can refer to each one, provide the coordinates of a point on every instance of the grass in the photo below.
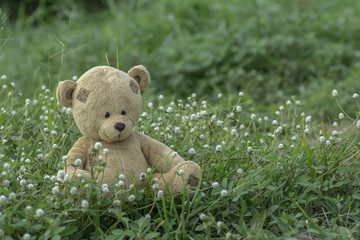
(302, 48)
(279, 176)
(273, 167)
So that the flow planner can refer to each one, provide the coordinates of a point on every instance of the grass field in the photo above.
(248, 96)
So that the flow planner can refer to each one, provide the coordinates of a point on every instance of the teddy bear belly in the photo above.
(129, 163)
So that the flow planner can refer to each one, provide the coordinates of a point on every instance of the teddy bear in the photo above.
(106, 104)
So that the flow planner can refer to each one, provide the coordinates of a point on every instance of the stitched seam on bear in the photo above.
(134, 87)
(83, 95)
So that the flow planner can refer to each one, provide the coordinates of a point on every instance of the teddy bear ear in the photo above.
(64, 92)
(141, 75)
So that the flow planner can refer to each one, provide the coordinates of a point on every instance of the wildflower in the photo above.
(297, 102)
(169, 110)
(23, 182)
(281, 146)
(215, 184)
(252, 116)
(12, 196)
(69, 111)
(218, 148)
(147, 216)
(192, 151)
(181, 172)
(334, 93)
(131, 198)
(308, 119)
(322, 139)
(117, 202)
(64, 158)
(150, 105)
(238, 108)
(358, 124)
(122, 177)
(74, 78)
(240, 171)
(39, 212)
(106, 151)
(219, 224)
(193, 117)
(279, 130)
(223, 193)
(3, 77)
(219, 95)
(26, 236)
(78, 162)
(281, 108)
(55, 190)
(249, 149)
(241, 94)
(233, 132)
(177, 130)
(53, 132)
(73, 191)
(355, 95)
(277, 113)
(161, 97)
(98, 146)
(228, 235)
(274, 122)
(2, 199)
(206, 146)
(341, 115)
(84, 204)
(55, 146)
(203, 217)
(288, 102)
(160, 193)
(6, 166)
(174, 154)
(142, 176)
(61, 173)
(155, 186)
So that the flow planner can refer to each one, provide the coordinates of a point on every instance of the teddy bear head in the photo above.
(106, 102)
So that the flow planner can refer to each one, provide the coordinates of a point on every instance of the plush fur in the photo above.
(106, 105)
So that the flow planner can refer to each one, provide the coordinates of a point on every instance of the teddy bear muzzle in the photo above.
(119, 126)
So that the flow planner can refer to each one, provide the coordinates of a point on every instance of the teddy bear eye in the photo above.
(107, 115)
(123, 112)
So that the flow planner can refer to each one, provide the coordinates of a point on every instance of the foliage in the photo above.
(279, 176)
(271, 49)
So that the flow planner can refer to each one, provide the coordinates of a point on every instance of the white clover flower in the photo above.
(12, 196)
(288, 102)
(334, 133)
(281, 108)
(26, 236)
(238, 108)
(233, 132)
(131, 186)
(241, 94)
(84, 204)
(274, 122)
(78, 162)
(161, 97)
(355, 95)
(150, 105)
(334, 93)
(328, 142)
(117, 202)
(181, 172)
(308, 119)
(219, 123)
(341, 115)
(160, 193)
(219, 224)
(39, 212)
(4, 86)
(177, 130)
(155, 186)
(215, 184)
(3, 77)
(2, 199)
(218, 148)
(224, 193)
(219, 95)
(53, 132)
(194, 103)
(73, 191)
(249, 149)
(61, 173)
(122, 177)
(206, 146)
(98, 146)
(203, 217)
(358, 124)
(143, 176)
(253, 116)
(228, 235)
(69, 111)
(192, 151)
(277, 113)
(297, 102)
(174, 154)
(279, 130)
(55, 190)
(74, 78)
(169, 110)
(64, 158)
(6, 166)
(193, 117)
(281, 146)
(157, 129)
(240, 171)
(266, 118)
(23, 182)
(106, 151)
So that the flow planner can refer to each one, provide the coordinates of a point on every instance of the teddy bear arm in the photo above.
(78, 151)
(158, 155)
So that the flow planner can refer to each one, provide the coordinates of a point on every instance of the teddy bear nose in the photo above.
(119, 126)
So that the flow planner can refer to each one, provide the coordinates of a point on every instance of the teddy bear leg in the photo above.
(175, 180)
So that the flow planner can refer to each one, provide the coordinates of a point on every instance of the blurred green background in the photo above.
(271, 50)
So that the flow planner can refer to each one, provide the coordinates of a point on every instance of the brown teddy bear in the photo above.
(106, 104)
